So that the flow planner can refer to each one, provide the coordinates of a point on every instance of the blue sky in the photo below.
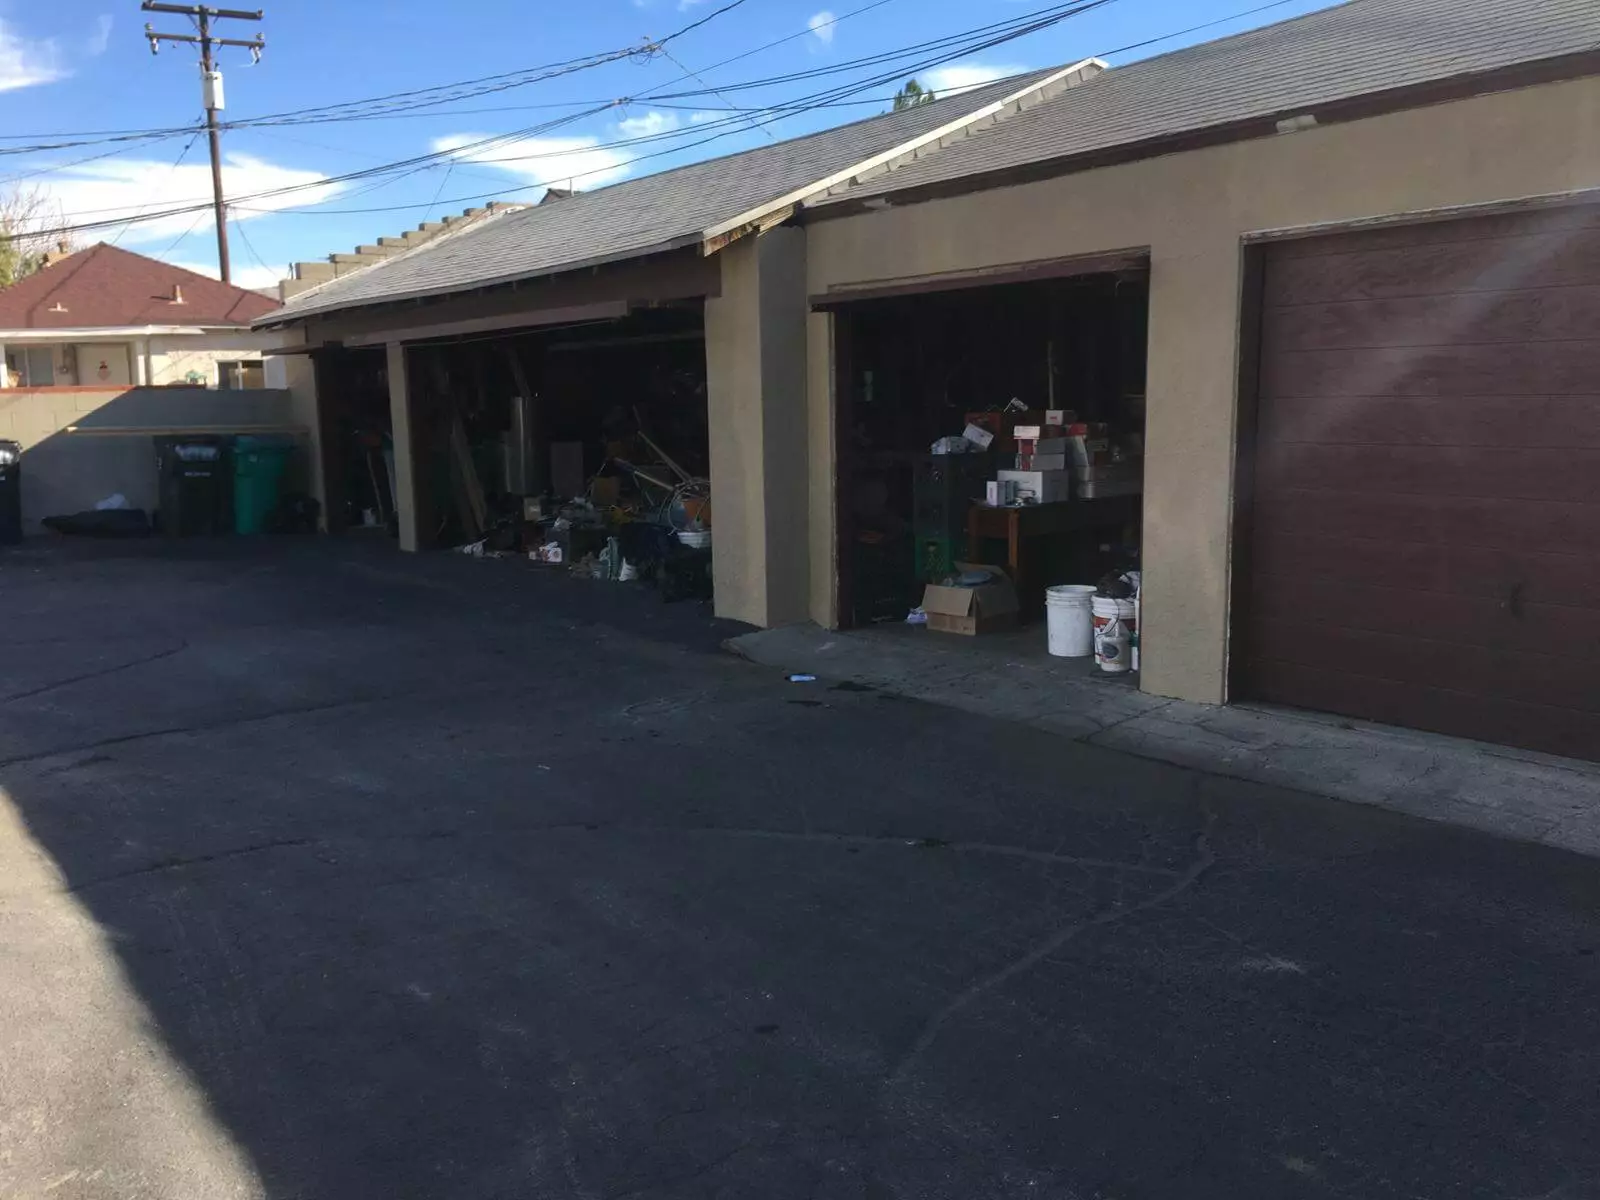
(83, 65)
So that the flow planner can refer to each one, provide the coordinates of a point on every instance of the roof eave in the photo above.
(775, 211)
(283, 318)
(1351, 108)
(118, 331)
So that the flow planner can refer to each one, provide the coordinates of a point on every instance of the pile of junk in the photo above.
(641, 518)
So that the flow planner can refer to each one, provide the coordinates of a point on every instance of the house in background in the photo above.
(106, 317)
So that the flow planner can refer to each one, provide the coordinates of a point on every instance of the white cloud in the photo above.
(953, 78)
(26, 62)
(101, 37)
(254, 276)
(700, 118)
(821, 26)
(650, 123)
(124, 188)
(578, 162)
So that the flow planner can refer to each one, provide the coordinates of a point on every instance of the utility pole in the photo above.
(211, 90)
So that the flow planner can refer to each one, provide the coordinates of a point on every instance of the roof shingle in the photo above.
(637, 216)
(106, 287)
(1352, 49)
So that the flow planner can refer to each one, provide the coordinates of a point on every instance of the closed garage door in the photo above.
(1423, 534)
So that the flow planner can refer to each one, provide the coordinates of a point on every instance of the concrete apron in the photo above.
(1516, 794)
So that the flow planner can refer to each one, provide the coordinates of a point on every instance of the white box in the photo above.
(978, 436)
(1046, 487)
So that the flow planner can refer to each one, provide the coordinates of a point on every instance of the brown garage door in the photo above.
(1423, 535)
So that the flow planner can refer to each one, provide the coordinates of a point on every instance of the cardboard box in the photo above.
(978, 435)
(1042, 462)
(1003, 425)
(998, 493)
(1045, 487)
(970, 611)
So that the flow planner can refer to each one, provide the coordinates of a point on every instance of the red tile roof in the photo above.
(107, 287)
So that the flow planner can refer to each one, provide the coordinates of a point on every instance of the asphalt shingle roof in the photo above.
(638, 215)
(105, 287)
(1337, 53)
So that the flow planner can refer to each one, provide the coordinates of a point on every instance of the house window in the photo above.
(33, 366)
(245, 373)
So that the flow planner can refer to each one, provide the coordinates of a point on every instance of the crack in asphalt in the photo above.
(176, 863)
(100, 674)
(1204, 859)
(902, 841)
(198, 727)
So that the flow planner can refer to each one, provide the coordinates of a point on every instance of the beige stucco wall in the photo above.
(756, 405)
(114, 357)
(172, 359)
(1193, 211)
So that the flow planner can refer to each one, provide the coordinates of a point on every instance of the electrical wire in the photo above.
(944, 49)
(193, 225)
(173, 170)
(244, 237)
(430, 96)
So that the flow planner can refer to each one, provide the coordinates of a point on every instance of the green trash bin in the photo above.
(258, 467)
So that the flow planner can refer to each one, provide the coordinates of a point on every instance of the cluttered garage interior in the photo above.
(580, 445)
(990, 451)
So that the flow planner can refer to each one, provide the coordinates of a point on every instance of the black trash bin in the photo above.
(195, 486)
(10, 493)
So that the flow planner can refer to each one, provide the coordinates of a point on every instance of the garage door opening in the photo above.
(585, 446)
(1066, 355)
(1420, 480)
(357, 455)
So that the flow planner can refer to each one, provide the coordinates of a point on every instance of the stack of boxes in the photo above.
(1055, 457)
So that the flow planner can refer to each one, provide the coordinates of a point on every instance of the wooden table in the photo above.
(1020, 524)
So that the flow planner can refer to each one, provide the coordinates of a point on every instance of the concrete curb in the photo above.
(1530, 797)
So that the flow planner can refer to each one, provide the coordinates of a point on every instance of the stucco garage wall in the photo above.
(1193, 211)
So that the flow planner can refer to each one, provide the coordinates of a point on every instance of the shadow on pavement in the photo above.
(443, 878)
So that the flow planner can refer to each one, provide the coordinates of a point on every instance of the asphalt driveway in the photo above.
(329, 873)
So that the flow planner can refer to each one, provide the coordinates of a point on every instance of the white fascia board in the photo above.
(104, 333)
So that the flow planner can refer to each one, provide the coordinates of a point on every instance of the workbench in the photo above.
(1017, 525)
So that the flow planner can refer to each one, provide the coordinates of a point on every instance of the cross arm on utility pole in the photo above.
(194, 10)
(257, 43)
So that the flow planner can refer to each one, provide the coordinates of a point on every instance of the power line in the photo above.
(944, 50)
(700, 79)
(947, 49)
(250, 246)
(178, 162)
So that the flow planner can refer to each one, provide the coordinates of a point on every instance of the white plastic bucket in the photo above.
(1113, 629)
(1071, 620)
